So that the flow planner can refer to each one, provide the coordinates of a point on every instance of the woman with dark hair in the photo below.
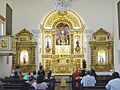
(18, 70)
(40, 84)
(93, 73)
(15, 76)
(41, 71)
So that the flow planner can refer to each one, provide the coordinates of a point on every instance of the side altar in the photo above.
(63, 42)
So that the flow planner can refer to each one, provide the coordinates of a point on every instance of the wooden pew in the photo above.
(93, 88)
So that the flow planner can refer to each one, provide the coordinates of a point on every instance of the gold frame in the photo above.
(48, 28)
(26, 43)
(102, 40)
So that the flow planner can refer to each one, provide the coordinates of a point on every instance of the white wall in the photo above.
(29, 14)
(5, 69)
(95, 13)
(5, 66)
(3, 6)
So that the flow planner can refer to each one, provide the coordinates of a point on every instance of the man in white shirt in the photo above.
(40, 84)
(88, 80)
(114, 84)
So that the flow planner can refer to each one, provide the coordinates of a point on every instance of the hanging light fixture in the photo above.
(62, 5)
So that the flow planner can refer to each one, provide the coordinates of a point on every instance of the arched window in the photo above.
(118, 6)
(2, 20)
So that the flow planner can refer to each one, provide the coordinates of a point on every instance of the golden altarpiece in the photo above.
(101, 46)
(25, 51)
(62, 42)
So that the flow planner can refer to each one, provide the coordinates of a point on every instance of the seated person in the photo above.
(41, 71)
(93, 73)
(18, 70)
(25, 86)
(35, 74)
(48, 73)
(114, 84)
(1, 86)
(31, 80)
(27, 76)
(40, 84)
(83, 73)
(15, 76)
(88, 80)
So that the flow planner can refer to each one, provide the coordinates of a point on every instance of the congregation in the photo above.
(43, 80)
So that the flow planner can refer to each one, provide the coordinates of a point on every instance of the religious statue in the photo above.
(47, 44)
(77, 48)
(47, 47)
(101, 59)
(62, 36)
(24, 59)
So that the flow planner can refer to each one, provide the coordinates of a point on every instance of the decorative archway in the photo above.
(62, 42)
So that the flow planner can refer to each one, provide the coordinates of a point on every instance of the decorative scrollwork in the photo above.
(4, 43)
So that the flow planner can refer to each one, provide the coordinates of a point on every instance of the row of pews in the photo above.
(14, 84)
(102, 80)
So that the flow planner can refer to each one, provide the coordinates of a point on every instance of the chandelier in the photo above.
(62, 5)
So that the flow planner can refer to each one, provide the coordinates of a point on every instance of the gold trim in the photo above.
(102, 40)
(55, 16)
(2, 18)
(63, 63)
(25, 42)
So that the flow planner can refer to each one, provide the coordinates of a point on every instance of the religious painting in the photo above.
(102, 56)
(62, 35)
(24, 57)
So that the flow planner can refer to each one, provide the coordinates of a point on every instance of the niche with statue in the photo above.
(25, 51)
(101, 46)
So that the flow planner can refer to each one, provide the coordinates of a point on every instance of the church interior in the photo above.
(60, 35)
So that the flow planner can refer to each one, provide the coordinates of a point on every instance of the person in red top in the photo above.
(75, 74)
(75, 80)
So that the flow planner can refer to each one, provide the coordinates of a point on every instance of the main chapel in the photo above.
(61, 35)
